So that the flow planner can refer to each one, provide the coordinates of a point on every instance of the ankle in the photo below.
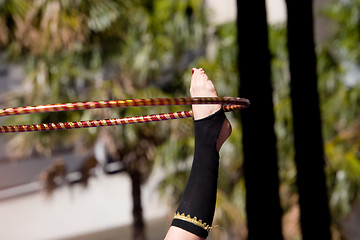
(201, 111)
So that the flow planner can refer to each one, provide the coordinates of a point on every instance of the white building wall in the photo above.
(225, 10)
(106, 203)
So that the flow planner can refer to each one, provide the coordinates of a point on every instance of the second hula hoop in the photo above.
(229, 104)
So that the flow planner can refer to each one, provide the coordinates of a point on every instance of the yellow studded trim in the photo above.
(193, 220)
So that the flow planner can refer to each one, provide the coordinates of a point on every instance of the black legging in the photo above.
(197, 205)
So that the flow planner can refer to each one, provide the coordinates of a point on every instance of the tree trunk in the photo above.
(309, 153)
(259, 140)
(138, 223)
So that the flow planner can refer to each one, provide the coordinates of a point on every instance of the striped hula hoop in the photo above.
(229, 104)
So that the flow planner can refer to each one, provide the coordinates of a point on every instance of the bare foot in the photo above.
(202, 86)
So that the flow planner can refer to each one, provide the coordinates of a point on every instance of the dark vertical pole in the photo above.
(259, 140)
(138, 220)
(309, 153)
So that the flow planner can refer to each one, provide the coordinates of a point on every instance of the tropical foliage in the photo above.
(96, 50)
(338, 87)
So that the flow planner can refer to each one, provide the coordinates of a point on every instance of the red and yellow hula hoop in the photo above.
(229, 104)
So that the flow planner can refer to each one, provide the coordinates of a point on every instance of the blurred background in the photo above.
(124, 182)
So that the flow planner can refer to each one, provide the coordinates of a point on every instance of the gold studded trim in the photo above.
(194, 220)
